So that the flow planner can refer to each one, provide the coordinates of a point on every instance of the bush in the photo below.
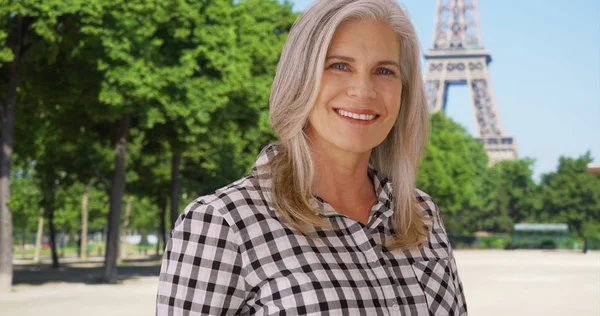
(492, 242)
(458, 241)
(547, 244)
(518, 244)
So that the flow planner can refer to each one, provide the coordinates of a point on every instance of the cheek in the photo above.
(330, 87)
(312, 118)
(392, 96)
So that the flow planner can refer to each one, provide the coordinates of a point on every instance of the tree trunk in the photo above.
(175, 187)
(144, 240)
(61, 243)
(39, 235)
(83, 255)
(126, 228)
(99, 237)
(163, 235)
(52, 238)
(23, 242)
(116, 199)
(161, 228)
(50, 209)
(157, 248)
(7, 115)
(73, 235)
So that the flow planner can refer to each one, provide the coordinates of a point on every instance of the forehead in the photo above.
(363, 36)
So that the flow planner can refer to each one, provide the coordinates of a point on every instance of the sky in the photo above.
(545, 73)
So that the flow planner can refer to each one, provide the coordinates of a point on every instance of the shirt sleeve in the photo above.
(201, 268)
(460, 294)
(458, 286)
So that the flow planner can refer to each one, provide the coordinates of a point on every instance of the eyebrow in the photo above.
(350, 59)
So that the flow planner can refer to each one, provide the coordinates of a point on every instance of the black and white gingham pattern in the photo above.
(231, 254)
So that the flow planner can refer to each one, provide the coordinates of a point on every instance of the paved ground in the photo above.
(496, 283)
(531, 282)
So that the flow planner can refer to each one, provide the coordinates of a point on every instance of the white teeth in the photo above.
(362, 117)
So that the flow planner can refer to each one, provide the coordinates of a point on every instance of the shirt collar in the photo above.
(261, 171)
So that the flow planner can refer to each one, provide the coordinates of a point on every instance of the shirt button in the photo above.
(396, 307)
(374, 258)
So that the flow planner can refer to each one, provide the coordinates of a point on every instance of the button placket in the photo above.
(394, 308)
(363, 240)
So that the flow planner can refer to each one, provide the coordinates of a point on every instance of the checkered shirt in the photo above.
(230, 253)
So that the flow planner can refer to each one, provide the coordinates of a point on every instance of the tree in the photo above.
(148, 180)
(192, 77)
(570, 195)
(25, 199)
(144, 216)
(519, 188)
(165, 66)
(124, 34)
(489, 209)
(452, 163)
(24, 27)
(227, 56)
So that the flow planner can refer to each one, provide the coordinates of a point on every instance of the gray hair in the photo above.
(295, 90)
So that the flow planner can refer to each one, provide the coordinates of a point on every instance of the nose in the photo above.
(361, 87)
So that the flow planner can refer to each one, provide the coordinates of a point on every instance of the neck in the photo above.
(341, 177)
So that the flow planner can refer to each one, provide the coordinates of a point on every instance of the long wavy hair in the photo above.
(295, 90)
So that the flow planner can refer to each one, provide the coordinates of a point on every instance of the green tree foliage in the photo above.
(144, 214)
(68, 208)
(488, 212)
(240, 128)
(25, 199)
(518, 189)
(453, 161)
(474, 197)
(506, 194)
(572, 196)
(25, 27)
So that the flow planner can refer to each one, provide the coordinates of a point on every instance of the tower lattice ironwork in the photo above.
(457, 56)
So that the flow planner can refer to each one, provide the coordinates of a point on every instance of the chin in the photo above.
(356, 147)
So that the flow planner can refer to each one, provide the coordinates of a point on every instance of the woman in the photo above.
(329, 221)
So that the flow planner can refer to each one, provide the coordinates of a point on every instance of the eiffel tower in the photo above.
(457, 57)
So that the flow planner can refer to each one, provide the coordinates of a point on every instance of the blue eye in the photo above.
(384, 71)
(338, 66)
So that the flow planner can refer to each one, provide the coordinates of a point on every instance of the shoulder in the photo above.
(427, 204)
(431, 211)
(234, 205)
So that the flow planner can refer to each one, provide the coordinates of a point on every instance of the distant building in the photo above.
(538, 235)
(541, 227)
(594, 169)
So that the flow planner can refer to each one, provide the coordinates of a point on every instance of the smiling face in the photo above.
(359, 96)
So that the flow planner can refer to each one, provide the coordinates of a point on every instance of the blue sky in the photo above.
(545, 72)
